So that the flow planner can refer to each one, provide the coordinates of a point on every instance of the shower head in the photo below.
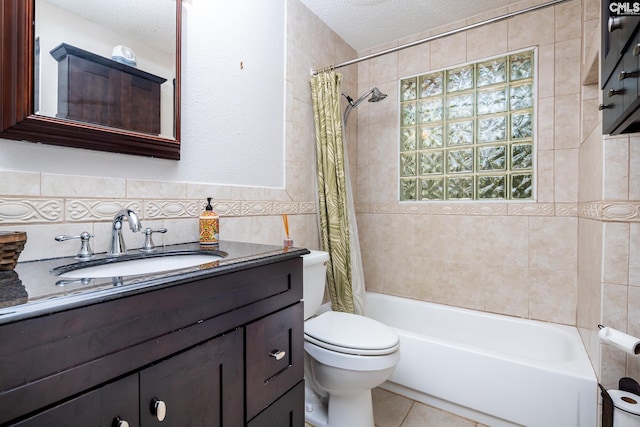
(376, 95)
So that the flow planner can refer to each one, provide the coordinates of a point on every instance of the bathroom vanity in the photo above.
(215, 345)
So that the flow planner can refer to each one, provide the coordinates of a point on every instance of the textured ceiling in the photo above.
(152, 22)
(367, 23)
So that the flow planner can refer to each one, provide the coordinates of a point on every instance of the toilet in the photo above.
(346, 355)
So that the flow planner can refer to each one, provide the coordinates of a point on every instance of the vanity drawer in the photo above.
(274, 357)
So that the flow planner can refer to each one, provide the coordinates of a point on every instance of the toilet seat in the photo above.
(351, 334)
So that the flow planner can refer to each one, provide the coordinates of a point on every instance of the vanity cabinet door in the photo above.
(275, 357)
(107, 406)
(203, 386)
(288, 411)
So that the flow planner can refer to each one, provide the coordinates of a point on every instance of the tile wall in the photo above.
(512, 258)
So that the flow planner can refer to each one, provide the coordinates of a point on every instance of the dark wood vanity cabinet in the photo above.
(620, 72)
(222, 351)
(95, 89)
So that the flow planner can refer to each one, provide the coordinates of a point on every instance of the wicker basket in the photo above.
(11, 244)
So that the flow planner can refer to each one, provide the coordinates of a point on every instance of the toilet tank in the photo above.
(314, 276)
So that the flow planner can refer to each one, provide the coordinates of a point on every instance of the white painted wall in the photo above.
(232, 117)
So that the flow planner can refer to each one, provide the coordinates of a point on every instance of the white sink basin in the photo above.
(137, 266)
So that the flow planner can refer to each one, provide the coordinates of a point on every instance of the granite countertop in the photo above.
(32, 290)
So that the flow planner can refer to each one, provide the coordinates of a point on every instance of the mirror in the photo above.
(38, 103)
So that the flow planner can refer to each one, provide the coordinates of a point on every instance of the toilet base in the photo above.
(315, 410)
(347, 410)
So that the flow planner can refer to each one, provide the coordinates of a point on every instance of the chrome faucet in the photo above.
(117, 241)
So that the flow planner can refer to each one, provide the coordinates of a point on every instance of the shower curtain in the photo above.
(338, 234)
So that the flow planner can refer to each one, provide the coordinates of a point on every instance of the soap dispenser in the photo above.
(209, 225)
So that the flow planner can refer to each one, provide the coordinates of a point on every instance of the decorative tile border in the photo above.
(33, 211)
(471, 209)
(22, 211)
(81, 210)
(611, 211)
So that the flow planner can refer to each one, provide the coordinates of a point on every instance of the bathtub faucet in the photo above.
(117, 241)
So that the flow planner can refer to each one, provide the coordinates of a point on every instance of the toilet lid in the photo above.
(351, 333)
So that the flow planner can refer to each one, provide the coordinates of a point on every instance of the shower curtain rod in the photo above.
(438, 36)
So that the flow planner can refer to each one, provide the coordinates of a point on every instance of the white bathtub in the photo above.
(498, 370)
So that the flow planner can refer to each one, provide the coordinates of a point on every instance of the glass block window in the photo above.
(467, 133)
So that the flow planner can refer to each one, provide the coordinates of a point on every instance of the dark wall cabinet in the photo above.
(620, 72)
(98, 90)
(225, 351)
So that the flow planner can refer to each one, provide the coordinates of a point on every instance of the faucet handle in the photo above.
(85, 252)
(148, 241)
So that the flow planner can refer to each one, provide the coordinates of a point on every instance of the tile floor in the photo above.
(393, 410)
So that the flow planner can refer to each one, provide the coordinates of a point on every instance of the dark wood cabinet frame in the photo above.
(17, 118)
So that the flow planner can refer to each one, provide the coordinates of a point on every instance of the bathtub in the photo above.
(493, 369)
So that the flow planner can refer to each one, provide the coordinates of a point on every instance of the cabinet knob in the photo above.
(614, 23)
(278, 354)
(158, 409)
(604, 106)
(627, 74)
(636, 49)
(613, 92)
(119, 422)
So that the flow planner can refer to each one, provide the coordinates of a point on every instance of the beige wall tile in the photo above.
(20, 183)
(568, 65)
(431, 276)
(567, 123)
(53, 185)
(414, 60)
(429, 236)
(465, 239)
(449, 51)
(591, 168)
(465, 285)
(633, 311)
(523, 33)
(506, 290)
(486, 41)
(616, 168)
(614, 309)
(634, 168)
(633, 363)
(634, 254)
(137, 188)
(553, 295)
(568, 20)
(384, 68)
(506, 240)
(546, 123)
(615, 267)
(566, 176)
(546, 70)
(553, 243)
(545, 177)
